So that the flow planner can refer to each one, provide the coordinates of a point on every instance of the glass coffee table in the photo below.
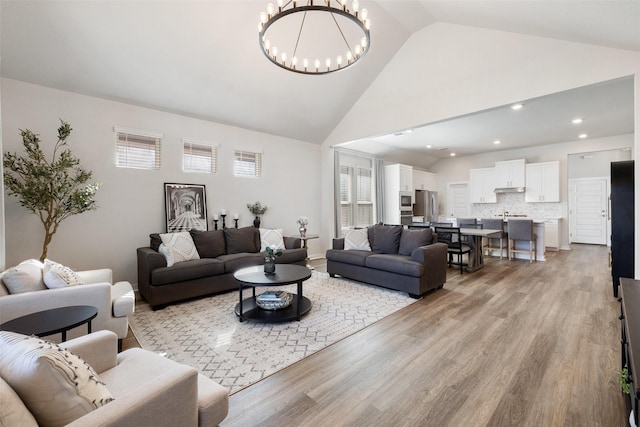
(52, 321)
(285, 274)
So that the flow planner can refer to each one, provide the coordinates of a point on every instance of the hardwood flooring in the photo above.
(513, 344)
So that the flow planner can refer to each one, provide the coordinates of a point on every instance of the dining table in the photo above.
(476, 257)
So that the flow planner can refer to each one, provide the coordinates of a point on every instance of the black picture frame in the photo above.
(185, 207)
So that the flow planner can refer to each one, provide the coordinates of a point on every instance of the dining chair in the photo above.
(455, 245)
(521, 230)
(498, 243)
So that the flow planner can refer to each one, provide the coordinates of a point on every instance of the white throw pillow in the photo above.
(24, 277)
(179, 247)
(270, 238)
(58, 276)
(357, 239)
(55, 385)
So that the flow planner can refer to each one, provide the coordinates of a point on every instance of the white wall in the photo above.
(131, 202)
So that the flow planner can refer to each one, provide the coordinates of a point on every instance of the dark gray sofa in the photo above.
(406, 260)
(222, 252)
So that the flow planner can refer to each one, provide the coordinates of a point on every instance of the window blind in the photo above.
(247, 163)
(199, 157)
(137, 149)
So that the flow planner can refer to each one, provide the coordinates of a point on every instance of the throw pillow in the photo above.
(241, 240)
(155, 241)
(58, 276)
(180, 246)
(357, 239)
(55, 385)
(12, 410)
(271, 238)
(209, 244)
(24, 277)
(386, 238)
(412, 239)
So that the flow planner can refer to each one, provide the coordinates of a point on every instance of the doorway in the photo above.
(588, 210)
(457, 200)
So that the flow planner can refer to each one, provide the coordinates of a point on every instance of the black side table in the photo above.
(52, 321)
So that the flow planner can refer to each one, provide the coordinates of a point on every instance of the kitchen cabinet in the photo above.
(551, 235)
(510, 173)
(397, 178)
(401, 177)
(424, 181)
(543, 182)
(406, 178)
(482, 183)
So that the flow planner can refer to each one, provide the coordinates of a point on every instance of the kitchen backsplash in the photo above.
(514, 204)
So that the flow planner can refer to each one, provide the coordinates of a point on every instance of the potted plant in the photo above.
(53, 190)
(257, 210)
(270, 259)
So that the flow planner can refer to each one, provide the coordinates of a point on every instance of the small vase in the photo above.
(303, 231)
(256, 222)
(269, 265)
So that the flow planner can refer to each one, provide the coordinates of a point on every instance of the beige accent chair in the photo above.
(148, 389)
(115, 302)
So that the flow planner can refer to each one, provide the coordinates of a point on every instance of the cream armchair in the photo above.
(114, 302)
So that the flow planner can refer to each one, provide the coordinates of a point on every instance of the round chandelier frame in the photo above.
(352, 53)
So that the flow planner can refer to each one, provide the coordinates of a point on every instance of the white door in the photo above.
(588, 219)
(457, 200)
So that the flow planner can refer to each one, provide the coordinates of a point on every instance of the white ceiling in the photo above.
(201, 59)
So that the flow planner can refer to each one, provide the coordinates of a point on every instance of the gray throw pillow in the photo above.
(386, 238)
(239, 240)
(412, 239)
(210, 244)
(155, 241)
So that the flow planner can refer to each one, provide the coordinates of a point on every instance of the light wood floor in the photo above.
(514, 344)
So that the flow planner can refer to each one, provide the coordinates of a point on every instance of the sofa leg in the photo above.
(119, 345)
(414, 296)
(332, 275)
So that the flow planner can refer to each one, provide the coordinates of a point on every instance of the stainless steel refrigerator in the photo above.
(426, 205)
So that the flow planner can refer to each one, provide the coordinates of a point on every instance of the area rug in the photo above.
(207, 334)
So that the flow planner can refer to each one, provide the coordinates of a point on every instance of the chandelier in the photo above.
(314, 38)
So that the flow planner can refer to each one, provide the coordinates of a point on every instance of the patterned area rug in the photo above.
(207, 334)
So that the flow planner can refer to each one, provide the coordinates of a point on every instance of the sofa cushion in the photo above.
(210, 244)
(56, 386)
(58, 276)
(271, 238)
(187, 270)
(386, 238)
(239, 240)
(12, 410)
(395, 264)
(348, 256)
(357, 240)
(412, 239)
(234, 262)
(178, 247)
(291, 255)
(24, 277)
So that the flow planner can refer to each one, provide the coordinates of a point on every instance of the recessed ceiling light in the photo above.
(429, 146)
(496, 142)
(517, 107)
(583, 136)
(452, 154)
(576, 121)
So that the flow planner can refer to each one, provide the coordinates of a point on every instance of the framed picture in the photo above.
(185, 207)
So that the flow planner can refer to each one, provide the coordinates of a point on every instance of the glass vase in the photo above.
(303, 231)
(269, 265)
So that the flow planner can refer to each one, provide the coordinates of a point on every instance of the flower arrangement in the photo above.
(256, 208)
(303, 221)
(273, 251)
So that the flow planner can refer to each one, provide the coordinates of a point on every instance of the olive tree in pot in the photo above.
(53, 190)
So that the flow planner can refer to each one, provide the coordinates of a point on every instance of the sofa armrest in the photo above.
(96, 276)
(170, 398)
(123, 299)
(433, 253)
(148, 260)
(338, 243)
(292, 242)
(98, 349)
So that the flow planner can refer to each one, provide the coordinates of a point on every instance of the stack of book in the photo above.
(274, 300)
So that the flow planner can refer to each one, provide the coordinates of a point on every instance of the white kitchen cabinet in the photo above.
(424, 180)
(397, 178)
(406, 178)
(543, 182)
(551, 234)
(510, 173)
(482, 183)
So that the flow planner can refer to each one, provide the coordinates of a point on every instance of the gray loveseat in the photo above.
(406, 260)
(222, 252)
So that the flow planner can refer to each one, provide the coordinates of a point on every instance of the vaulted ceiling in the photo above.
(201, 58)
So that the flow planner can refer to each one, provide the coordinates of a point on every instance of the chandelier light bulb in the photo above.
(358, 49)
(364, 14)
(280, 4)
(355, 5)
(305, 63)
(283, 56)
(275, 53)
(328, 63)
(339, 61)
(294, 62)
(363, 42)
(349, 57)
(263, 17)
(317, 64)
(270, 9)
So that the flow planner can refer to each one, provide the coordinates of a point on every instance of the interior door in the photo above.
(588, 207)
(458, 200)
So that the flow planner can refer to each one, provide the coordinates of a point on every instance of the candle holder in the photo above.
(223, 222)
(215, 224)
(236, 221)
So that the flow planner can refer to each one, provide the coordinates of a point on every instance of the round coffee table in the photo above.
(52, 321)
(285, 274)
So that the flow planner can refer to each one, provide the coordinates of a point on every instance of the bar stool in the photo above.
(491, 243)
(521, 229)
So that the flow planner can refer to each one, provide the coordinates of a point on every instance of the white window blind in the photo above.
(199, 157)
(247, 163)
(137, 149)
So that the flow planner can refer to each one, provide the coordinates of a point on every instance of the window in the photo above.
(199, 157)
(247, 163)
(137, 149)
(358, 211)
